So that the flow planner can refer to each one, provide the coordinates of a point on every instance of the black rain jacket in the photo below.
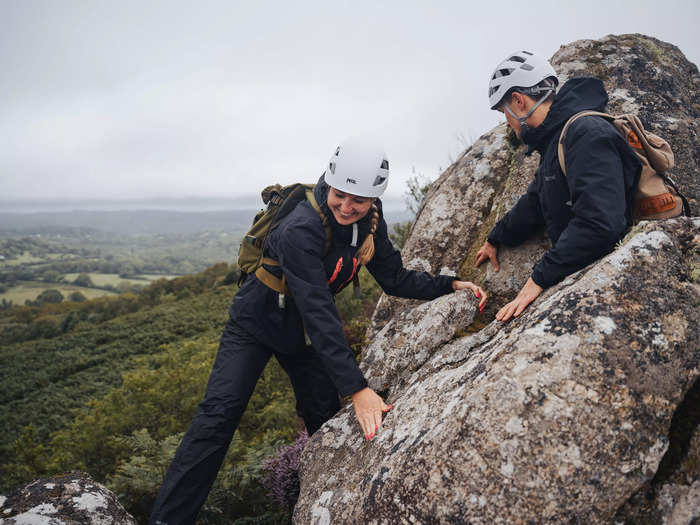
(298, 244)
(586, 211)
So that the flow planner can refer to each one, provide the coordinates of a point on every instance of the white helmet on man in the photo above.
(521, 69)
(358, 167)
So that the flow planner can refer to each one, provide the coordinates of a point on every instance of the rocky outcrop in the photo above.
(404, 345)
(70, 499)
(568, 414)
(641, 74)
(673, 496)
(559, 416)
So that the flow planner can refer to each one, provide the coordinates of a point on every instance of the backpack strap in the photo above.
(324, 220)
(271, 280)
(562, 136)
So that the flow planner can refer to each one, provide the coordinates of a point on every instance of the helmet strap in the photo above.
(521, 120)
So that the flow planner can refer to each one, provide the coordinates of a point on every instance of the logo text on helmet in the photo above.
(351, 181)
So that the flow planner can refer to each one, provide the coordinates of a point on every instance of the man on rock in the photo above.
(584, 212)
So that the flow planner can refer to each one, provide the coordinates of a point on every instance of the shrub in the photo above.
(77, 297)
(49, 296)
(84, 280)
(281, 478)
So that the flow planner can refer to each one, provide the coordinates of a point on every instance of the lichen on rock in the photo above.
(559, 415)
(69, 499)
(563, 414)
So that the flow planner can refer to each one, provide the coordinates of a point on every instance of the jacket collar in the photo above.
(577, 94)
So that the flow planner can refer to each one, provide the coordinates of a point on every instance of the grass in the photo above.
(113, 279)
(44, 380)
(25, 258)
(29, 290)
(154, 276)
(104, 279)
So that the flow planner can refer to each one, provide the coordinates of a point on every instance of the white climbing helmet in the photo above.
(358, 167)
(521, 69)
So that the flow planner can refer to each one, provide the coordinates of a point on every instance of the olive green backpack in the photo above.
(280, 200)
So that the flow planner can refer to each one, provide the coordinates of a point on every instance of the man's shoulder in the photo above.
(591, 125)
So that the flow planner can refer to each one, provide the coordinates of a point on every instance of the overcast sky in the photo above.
(123, 100)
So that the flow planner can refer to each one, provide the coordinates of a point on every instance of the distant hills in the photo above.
(145, 217)
(130, 222)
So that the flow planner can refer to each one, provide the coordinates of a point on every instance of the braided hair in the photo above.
(366, 251)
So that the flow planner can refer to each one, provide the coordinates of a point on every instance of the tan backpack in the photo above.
(658, 196)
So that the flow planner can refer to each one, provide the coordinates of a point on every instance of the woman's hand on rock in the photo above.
(368, 410)
(466, 285)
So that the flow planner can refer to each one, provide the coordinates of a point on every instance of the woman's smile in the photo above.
(346, 207)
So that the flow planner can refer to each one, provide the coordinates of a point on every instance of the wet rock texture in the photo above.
(70, 499)
(642, 75)
(560, 416)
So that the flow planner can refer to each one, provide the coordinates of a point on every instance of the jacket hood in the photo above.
(577, 94)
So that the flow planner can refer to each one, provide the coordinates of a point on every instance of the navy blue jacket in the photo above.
(586, 211)
(298, 244)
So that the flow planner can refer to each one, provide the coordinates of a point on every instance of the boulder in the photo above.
(559, 416)
(642, 75)
(69, 499)
(404, 345)
(673, 496)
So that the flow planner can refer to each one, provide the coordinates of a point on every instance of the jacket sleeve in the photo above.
(387, 268)
(300, 257)
(520, 222)
(596, 185)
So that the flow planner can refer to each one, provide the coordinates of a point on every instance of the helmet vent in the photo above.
(331, 166)
(502, 73)
(385, 165)
(516, 58)
(527, 67)
(337, 151)
(379, 180)
(528, 53)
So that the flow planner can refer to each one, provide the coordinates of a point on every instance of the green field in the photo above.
(28, 258)
(113, 279)
(25, 258)
(155, 276)
(29, 290)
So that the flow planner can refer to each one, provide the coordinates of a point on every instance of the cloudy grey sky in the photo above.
(132, 99)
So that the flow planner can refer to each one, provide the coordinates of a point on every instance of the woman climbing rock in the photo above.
(300, 328)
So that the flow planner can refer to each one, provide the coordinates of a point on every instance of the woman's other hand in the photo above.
(466, 285)
(368, 410)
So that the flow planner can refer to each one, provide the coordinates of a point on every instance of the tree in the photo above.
(49, 296)
(400, 232)
(77, 297)
(51, 276)
(418, 187)
(84, 280)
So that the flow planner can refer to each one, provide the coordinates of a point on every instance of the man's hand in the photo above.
(467, 285)
(529, 293)
(368, 410)
(487, 251)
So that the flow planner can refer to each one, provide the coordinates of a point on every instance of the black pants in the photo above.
(239, 363)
